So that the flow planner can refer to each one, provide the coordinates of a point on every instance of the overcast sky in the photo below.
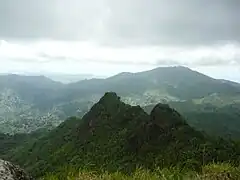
(104, 37)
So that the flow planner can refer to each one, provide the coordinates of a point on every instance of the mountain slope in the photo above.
(31, 102)
(28, 103)
(116, 136)
(216, 121)
(179, 82)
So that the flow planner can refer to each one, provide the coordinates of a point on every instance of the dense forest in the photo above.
(167, 122)
(117, 137)
(29, 103)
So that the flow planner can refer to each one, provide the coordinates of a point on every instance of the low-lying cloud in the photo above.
(80, 52)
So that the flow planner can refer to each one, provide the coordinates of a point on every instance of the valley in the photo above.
(130, 123)
(29, 103)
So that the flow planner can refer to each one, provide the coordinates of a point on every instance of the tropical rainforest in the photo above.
(166, 123)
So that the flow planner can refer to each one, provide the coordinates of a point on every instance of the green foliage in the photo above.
(209, 172)
(11, 142)
(116, 137)
(31, 102)
(220, 171)
(215, 121)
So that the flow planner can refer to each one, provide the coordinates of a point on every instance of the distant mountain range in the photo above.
(59, 77)
(28, 103)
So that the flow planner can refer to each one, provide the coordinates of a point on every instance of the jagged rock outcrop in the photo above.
(9, 171)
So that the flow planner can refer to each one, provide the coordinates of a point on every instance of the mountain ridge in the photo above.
(117, 136)
(45, 103)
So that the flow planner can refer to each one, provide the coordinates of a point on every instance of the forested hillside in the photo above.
(216, 121)
(114, 136)
(28, 103)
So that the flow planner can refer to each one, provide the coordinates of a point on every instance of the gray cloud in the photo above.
(213, 61)
(168, 62)
(216, 62)
(122, 22)
(48, 58)
(200, 62)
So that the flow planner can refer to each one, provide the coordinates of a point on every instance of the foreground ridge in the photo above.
(117, 137)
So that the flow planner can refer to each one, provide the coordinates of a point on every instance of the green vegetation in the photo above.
(209, 172)
(8, 142)
(215, 121)
(116, 137)
(28, 103)
(113, 140)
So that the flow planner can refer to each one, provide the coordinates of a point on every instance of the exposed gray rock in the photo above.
(9, 171)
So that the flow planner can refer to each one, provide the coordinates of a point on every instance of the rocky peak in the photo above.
(108, 106)
(9, 171)
(110, 102)
(165, 117)
(109, 97)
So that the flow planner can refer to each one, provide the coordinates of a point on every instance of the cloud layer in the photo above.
(85, 56)
(110, 36)
(116, 22)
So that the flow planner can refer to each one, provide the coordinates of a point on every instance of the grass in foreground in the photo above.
(209, 172)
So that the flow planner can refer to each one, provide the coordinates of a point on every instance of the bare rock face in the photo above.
(9, 171)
